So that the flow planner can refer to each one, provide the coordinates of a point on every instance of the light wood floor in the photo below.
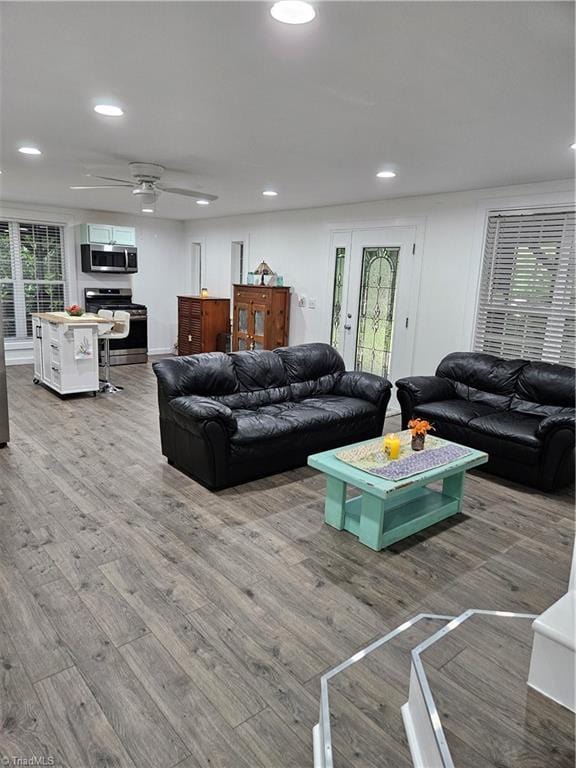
(147, 622)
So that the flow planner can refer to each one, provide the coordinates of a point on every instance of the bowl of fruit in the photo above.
(74, 310)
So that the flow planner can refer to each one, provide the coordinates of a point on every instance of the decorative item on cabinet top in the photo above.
(201, 321)
(261, 317)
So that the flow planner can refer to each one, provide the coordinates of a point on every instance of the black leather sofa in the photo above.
(229, 418)
(520, 413)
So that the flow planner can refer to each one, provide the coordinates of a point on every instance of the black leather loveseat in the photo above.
(520, 413)
(229, 418)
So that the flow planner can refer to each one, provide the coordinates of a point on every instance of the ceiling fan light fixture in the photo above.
(147, 210)
(109, 110)
(293, 12)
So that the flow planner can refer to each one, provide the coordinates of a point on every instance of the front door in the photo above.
(373, 300)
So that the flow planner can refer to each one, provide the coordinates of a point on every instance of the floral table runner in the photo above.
(371, 457)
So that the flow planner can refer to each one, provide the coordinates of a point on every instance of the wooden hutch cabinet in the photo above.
(261, 317)
(200, 321)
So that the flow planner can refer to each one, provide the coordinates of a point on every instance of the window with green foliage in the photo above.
(32, 274)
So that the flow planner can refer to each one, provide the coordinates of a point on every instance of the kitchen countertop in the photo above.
(66, 319)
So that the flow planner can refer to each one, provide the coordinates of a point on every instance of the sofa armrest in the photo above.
(552, 423)
(415, 390)
(192, 411)
(365, 386)
(426, 389)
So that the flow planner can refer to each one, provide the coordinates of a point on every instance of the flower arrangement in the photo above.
(74, 310)
(419, 429)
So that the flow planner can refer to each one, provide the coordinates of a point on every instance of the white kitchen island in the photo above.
(66, 351)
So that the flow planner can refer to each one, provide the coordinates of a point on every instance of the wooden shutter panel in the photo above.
(527, 286)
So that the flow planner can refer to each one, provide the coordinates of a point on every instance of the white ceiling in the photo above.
(450, 95)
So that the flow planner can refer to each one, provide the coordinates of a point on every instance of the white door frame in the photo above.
(341, 233)
(196, 263)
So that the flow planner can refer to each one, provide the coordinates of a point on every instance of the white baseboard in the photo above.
(161, 351)
(19, 357)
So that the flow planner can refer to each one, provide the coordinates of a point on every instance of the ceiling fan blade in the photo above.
(110, 178)
(106, 186)
(187, 192)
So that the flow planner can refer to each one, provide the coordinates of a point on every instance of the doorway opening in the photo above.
(195, 268)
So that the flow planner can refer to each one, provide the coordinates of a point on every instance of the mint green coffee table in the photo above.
(386, 511)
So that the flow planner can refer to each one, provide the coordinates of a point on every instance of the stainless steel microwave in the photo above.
(109, 258)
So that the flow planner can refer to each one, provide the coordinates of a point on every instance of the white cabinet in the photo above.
(107, 234)
(124, 235)
(56, 362)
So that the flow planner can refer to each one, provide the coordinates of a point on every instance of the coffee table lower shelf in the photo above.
(378, 522)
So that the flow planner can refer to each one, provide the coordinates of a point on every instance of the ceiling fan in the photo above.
(146, 188)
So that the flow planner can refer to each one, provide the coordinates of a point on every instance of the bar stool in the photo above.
(119, 330)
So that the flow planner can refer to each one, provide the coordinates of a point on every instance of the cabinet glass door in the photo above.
(258, 326)
(242, 325)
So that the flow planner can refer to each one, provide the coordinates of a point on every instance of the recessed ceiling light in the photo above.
(573, 146)
(110, 110)
(292, 12)
(270, 193)
(202, 202)
(386, 175)
(29, 151)
(147, 210)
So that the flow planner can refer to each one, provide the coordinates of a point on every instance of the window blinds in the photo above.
(526, 299)
(32, 274)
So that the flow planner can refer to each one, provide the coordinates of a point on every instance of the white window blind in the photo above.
(527, 286)
(32, 274)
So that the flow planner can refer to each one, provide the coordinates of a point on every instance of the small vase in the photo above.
(418, 442)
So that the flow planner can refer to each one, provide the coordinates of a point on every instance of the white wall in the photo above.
(296, 245)
(163, 269)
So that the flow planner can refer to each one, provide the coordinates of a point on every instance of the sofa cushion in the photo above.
(297, 417)
(311, 369)
(258, 370)
(545, 389)
(261, 379)
(509, 426)
(482, 378)
(455, 411)
(207, 374)
(497, 448)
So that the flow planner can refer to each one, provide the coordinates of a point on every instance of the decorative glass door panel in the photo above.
(376, 310)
